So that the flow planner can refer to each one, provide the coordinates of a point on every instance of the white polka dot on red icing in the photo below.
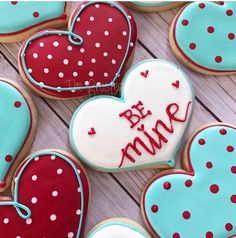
(28, 221)
(86, 83)
(49, 56)
(119, 47)
(82, 50)
(36, 158)
(55, 193)
(91, 73)
(105, 54)
(5, 220)
(55, 43)
(110, 19)
(78, 212)
(91, 18)
(78, 19)
(30, 70)
(106, 33)
(69, 48)
(97, 44)
(35, 55)
(124, 33)
(93, 60)
(78, 189)
(61, 75)
(41, 44)
(113, 61)
(80, 62)
(70, 235)
(46, 70)
(34, 177)
(34, 200)
(75, 74)
(53, 157)
(89, 33)
(97, 5)
(53, 217)
(59, 171)
(106, 74)
(66, 61)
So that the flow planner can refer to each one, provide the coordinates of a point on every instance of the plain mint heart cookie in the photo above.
(202, 36)
(141, 128)
(199, 202)
(20, 19)
(116, 228)
(50, 198)
(18, 124)
(89, 58)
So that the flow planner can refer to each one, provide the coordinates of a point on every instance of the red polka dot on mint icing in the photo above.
(209, 234)
(229, 12)
(230, 148)
(201, 5)
(176, 235)
(8, 158)
(210, 29)
(185, 22)
(186, 215)
(214, 188)
(167, 185)
(218, 59)
(154, 208)
(223, 132)
(36, 14)
(13, 2)
(231, 36)
(201, 142)
(209, 165)
(192, 46)
(188, 183)
(221, 3)
(229, 227)
(17, 104)
(233, 198)
(233, 169)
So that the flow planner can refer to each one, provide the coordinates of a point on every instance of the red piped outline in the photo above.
(189, 171)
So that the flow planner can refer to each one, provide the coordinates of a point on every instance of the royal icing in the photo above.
(117, 229)
(151, 3)
(19, 16)
(202, 200)
(80, 61)
(50, 198)
(143, 127)
(15, 125)
(209, 44)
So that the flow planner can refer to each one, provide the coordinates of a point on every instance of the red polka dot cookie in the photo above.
(89, 58)
(202, 199)
(50, 198)
(153, 6)
(18, 124)
(21, 19)
(202, 36)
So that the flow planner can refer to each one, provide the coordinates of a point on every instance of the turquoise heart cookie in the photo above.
(200, 203)
(18, 17)
(15, 126)
(203, 36)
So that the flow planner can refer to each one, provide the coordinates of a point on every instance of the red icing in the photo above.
(52, 197)
(230, 148)
(209, 234)
(176, 235)
(185, 22)
(176, 84)
(92, 131)
(229, 12)
(60, 63)
(8, 158)
(167, 185)
(144, 74)
(229, 227)
(188, 183)
(186, 215)
(192, 46)
(36, 14)
(154, 143)
(209, 165)
(233, 198)
(17, 104)
(214, 188)
(223, 132)
(202, 142)
(154, 208)
(210, 29)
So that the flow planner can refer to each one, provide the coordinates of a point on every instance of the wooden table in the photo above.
(118, 194)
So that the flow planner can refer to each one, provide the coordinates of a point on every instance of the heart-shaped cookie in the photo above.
(199, 202)
(18, 124)
(20, 19)
(50, 198)
(88, 58)
(142, 128)
(202, 36)
(118, 227)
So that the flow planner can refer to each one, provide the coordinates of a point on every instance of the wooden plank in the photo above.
(108, 197)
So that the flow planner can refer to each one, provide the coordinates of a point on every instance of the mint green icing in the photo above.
(152, 3)
(14, 125)
(210, 212)
(19, 16)
(208, 45)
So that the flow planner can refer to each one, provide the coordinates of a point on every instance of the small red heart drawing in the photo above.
(50, 198)
(145, 73)
(92, 131)
(176, 84)
(90, 57)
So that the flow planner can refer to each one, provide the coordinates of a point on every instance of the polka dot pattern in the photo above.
(53, 199)
(193, 40)
(102, 29)
(206, 193)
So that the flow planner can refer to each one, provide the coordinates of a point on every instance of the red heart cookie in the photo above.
(50, 198)
(88, 58)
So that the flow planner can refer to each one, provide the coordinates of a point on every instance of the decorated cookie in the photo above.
(50, 198)
(201, 200)
(202, 36)
(142, 128)
(117, 228)
(20, 19)
(89, 58)
(152, 6)
(18, 123)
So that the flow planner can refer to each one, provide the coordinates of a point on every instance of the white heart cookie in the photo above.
(142, 128)
(117, 228)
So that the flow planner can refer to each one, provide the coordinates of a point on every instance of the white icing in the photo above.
(116, 231)
(113, 132)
